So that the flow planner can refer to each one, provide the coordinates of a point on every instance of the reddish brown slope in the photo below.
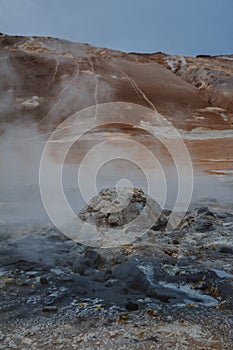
(47, 79)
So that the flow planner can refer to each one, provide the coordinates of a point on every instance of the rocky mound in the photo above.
(123, 207)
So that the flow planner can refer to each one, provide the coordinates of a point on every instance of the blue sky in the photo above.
(174, 26)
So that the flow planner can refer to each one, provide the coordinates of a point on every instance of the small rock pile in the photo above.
(117, 208)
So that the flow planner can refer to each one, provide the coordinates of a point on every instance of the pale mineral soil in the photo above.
(106, 330)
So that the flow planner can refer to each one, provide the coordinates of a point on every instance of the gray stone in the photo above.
(129, 274)
(99, 276)
(81, 284)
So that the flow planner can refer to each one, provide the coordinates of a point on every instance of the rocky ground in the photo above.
(165, 290)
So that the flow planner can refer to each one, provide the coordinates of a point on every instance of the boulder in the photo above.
(123, 207)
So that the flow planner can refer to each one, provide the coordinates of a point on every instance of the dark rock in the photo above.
(80, 266)
(201, 220)
(81, 284)
(130, 306)
(225, 250)
(89, 272)
(221, 215)
(111, 283)
(57, 296)
(227, 304)
(8, 256)
(160, 224)
(27, 265)
(93, 258)
(162, 294)
(43, 281)
(204, 225)
(204, 211)
(195, 278)
(224, 288)
(129, 274)
(90, 259)
(49, 309)
(99, 276)
(22, 283)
